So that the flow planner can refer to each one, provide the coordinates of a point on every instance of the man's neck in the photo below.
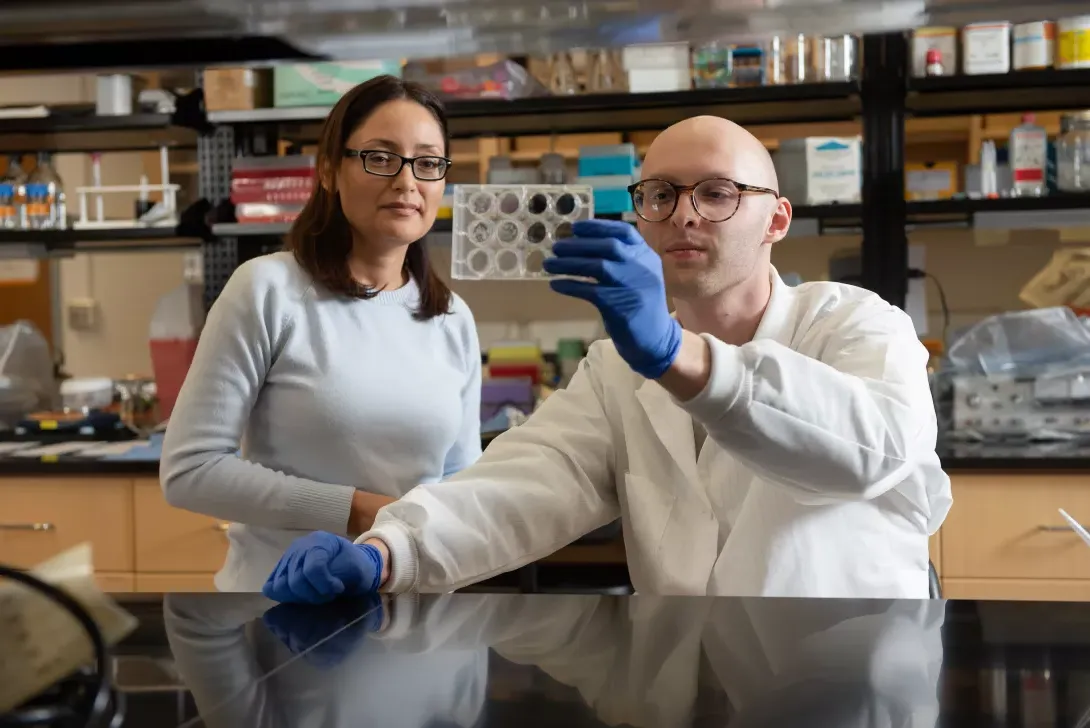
(731, 316)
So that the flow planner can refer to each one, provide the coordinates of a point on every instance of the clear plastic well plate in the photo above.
(505, 232)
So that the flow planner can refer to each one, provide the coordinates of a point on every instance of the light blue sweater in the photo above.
(326, 395)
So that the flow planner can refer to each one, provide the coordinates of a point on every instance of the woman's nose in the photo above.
(405, 180)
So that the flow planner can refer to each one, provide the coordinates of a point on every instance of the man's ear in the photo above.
(780, 222)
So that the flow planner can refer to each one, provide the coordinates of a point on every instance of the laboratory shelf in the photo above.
(252, 229)
(40, 243)
(1051, 212)
(1015, 92)
(77, 128)
(808, 102)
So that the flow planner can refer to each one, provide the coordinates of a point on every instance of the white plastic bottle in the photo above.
(1028, 151)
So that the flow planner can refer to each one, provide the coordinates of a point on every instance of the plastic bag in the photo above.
(26, 372)
(1022, 343)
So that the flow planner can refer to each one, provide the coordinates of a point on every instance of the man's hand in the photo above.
(320, 567)
(630, 293)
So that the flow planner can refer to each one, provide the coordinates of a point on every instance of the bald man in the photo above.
(761, 440)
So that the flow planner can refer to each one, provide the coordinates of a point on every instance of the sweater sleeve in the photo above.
(467, 448)
(201, 469)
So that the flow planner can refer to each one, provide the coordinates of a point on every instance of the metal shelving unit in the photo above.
(882, 99)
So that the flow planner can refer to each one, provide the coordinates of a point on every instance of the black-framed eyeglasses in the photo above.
(388, 164)
(715, 200)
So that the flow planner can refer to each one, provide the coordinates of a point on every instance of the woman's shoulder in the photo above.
(459, 320)
(275, 272)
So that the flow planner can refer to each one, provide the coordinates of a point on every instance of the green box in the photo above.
(323, 84)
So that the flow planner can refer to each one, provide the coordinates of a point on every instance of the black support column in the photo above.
(885, 244)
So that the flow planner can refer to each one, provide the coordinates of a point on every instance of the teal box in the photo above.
(607, 165)
(323, 84)
(612, 201)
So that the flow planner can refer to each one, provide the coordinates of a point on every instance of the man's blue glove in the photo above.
(629, 293)
(319, 567)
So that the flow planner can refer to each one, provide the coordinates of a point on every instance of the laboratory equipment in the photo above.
(1028, 152)
(1073, 154)
(505, 232)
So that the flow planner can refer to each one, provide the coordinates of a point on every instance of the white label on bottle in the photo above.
(1029, 150)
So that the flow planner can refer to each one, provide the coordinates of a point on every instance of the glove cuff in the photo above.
(671, 345)
(374, 557)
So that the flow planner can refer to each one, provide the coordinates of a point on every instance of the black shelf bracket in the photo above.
(883, 90)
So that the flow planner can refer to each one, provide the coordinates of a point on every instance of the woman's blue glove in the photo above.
(630, 293)
(325, 634)
(319, 567)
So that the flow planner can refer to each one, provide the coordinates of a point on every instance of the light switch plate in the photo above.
(82, 314)
(193, 272)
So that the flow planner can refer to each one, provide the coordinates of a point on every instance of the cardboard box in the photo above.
(237, 89)
(323, 84)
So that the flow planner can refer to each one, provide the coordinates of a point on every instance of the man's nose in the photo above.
(685, 214)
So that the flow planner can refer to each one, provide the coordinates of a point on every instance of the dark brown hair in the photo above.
(321, 238)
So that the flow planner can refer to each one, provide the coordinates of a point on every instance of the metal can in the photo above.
(1034, 45)
(1074, 42)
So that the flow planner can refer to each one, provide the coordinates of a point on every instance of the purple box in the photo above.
(497, 393)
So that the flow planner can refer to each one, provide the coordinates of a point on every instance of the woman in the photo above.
(346, 367)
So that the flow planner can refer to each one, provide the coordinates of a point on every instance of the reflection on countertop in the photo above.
(240, 661)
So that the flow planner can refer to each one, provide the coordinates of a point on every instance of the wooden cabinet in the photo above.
(40, 517)
(1005, 539)
(138, 541)
(170, 539)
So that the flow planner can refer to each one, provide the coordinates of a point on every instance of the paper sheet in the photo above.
(41, 642)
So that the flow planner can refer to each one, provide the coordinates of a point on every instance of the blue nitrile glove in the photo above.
(630, 292)
(319, 567)
(325, 634)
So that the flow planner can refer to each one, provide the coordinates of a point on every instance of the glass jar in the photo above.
(1073, 153)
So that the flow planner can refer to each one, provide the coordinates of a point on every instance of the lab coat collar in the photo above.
(672, 424)
(776, 324)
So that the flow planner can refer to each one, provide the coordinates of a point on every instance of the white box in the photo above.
(656, 56)
(645, 81)
(834, 170)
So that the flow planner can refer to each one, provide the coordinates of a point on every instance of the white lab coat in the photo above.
(818, 476)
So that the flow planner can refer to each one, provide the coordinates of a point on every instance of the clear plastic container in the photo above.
(1073, 154)
(87, 394)
(505, 232)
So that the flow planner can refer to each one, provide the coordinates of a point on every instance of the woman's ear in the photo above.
(326, 177)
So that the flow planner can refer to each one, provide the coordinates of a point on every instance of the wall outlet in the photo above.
(193, 271)
(82, 314)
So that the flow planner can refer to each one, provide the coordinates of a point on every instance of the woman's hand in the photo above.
(320, 567)
(365, 506)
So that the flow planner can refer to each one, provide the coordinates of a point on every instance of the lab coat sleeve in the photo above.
(467, 449)
(536, 488)
(201, 469)
(851, 424)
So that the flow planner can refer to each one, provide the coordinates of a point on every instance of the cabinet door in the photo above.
(1033, 590)
(40, 517)
(1005, 526)
(175, 583)
(170, 539)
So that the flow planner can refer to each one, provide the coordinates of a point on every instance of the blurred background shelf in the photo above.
(809, 102)
(1014, 92)
(37, 243)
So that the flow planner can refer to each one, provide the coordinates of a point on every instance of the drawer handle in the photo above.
(27, 527)
(222, 527)
(1055, 529)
